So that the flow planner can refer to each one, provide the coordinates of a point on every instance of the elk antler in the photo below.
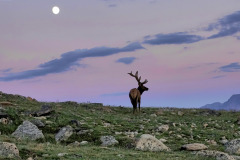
(136, 76)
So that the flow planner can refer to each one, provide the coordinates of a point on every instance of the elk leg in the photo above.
(139, 106)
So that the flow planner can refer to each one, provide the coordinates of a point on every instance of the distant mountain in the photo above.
(233, 103)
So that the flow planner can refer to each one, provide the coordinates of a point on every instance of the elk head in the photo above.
(135, 93)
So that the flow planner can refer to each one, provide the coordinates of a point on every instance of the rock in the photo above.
(162, 128)
(194, 147)
(160, 112)
(75, 122)
(62, 154)
(75, 144)
(233, 146)
(38, 122)
(45, 110)
(180, 113)
(149, 143)
(216, 154)
(64, 133)
(108, 140)
(4, 121)
(223, 140)
(205, 125)
(81, 132)
(30, 158)
(163, 140)
(7, 103)
(84, 143)
(212, 142)
(106, 125)
(8, 150)
(29, 131)
(153, 115)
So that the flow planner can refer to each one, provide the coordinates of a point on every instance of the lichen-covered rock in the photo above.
(8, 150)
(108, 140)
(64, 133)
(162, 128)
(149, 143)
(38, 122)
(216, 154)
(28, 131)
(233, 146)
(194, 147)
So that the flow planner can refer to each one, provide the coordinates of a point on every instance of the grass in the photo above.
(188, 128)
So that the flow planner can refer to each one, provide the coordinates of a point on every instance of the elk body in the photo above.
(135, 93)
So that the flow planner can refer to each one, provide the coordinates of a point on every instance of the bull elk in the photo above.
(135, 93)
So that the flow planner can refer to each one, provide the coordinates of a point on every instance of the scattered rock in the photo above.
(29, 131)
(64, 133)
(38, 122)
(4, 121)
(76, 122)
(162, 128)
(8, 150)
(149, 143)
(194, 147)
(212, 142)
(180, 113)
(233, 146)
(108, 141)
(81, 132)
(62, 154)
(205, 125)
(84, 143)
(106, 124)
(6, 103)
(153, 115)
(75, 144)
(216, 154)
(45, 110)
(223, 140)
(163, 140)
(30, 158)
(160, 112)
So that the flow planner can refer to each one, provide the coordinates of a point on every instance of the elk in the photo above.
(135, 93)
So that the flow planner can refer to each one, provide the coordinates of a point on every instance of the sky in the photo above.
(187, 50)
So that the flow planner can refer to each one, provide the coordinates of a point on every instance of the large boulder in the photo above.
(149, 143)
(8, 150)
(233, 146)
(28, 131)
(194, 147)
(108, 140)
(64, 133)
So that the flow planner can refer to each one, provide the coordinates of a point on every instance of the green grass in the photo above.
(121, 119)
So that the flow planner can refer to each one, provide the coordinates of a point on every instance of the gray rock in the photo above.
(149, 143)
(83, 143)
(194, 147)
(233, 146)
(8, 150)
(38, 122)
(108, 140)
(215, 154)
(64, 133)
(162, 128)
(45, 110)
(28, 131)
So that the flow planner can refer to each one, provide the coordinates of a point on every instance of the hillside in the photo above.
(233, 103)
(89, 122)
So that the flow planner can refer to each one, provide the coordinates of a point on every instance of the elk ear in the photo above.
(139, 78)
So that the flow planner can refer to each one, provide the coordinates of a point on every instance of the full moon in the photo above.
(55, 10)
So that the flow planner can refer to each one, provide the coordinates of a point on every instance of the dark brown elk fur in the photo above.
(135, 93)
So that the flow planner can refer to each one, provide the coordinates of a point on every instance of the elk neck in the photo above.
(140, 90)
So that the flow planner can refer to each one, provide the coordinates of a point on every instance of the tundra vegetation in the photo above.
(87, 123)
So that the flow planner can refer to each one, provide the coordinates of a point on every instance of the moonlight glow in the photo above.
(55, 10)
